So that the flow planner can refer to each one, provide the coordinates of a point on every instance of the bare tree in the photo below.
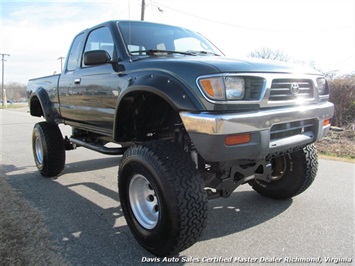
(342, 94)
(15, 90)
(270, 54)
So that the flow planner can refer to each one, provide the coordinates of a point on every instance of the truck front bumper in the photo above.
(271, 131)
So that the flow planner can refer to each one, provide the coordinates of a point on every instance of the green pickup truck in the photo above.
(191, 124)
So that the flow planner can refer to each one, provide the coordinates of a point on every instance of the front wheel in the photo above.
(48, 149)
(162, 197)
(292, 174)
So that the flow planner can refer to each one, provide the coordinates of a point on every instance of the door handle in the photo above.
(77, 81)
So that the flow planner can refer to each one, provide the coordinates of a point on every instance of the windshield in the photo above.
(141, 38)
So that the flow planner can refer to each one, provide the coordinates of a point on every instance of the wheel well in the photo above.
(35, 107)
(145, 116)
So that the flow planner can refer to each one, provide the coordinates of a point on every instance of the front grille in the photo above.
(281, 89)
(253, 88)
(290, 129)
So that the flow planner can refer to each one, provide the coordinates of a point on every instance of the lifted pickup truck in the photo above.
(191, 124)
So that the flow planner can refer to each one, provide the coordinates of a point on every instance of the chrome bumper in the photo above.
(208, 130)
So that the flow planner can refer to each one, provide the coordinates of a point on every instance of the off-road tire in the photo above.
(300, 171)
(48, 149)
(176, 190)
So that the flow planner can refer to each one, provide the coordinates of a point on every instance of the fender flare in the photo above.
(177, 93)
(166, 85)
(41, 105)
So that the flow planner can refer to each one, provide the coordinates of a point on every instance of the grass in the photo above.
(24, 238)
(335, 158)
(14, 106)
(339, 145)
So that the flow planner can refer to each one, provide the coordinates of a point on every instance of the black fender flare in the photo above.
(176, 92)
(40, 104)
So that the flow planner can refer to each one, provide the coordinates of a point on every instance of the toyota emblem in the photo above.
(295, 88)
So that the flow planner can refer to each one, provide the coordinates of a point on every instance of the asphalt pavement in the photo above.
(82, 210)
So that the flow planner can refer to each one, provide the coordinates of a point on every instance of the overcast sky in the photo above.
(37, 33)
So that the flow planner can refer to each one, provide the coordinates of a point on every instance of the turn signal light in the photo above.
(214, 88)
(326, 122)
(237, 139)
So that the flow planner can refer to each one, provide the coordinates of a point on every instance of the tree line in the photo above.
(15, 91)
(342, 94)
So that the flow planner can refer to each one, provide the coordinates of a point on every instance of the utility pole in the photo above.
(2, 80)
(61, 63)
(143, 9)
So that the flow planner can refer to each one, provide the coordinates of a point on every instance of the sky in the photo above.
(315, 32)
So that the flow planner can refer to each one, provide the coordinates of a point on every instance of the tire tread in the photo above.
(188, 186)
(53, 149)
(307, 161)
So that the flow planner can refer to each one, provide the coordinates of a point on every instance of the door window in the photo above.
(75, 52)
(100, 39)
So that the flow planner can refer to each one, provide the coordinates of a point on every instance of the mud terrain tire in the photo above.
(48, 149)
(299, 170)
(162, 197)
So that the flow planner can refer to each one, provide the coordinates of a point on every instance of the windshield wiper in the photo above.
(202, 53)
(151, 52)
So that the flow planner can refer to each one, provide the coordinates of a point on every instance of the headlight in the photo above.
(322, 86)
(223, 88)
(235, 88)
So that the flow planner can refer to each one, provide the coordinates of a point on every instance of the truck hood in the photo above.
(216, 64)
(225, 64)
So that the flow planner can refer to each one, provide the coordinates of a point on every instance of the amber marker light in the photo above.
(208, 87)
(237, 139)
(326, 122)
(213, 87)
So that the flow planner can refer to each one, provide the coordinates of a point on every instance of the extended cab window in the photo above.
(100, 39)
(74, 54)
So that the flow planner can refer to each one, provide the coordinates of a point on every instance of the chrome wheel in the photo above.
(39, 150)
(162, 197)
(143, 201)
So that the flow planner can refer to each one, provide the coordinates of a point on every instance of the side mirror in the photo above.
(96, 57)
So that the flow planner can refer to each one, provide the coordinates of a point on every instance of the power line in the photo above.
(248, 27)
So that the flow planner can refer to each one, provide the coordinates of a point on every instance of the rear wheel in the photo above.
(292, 174)
(162, 197)
(48, 149)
